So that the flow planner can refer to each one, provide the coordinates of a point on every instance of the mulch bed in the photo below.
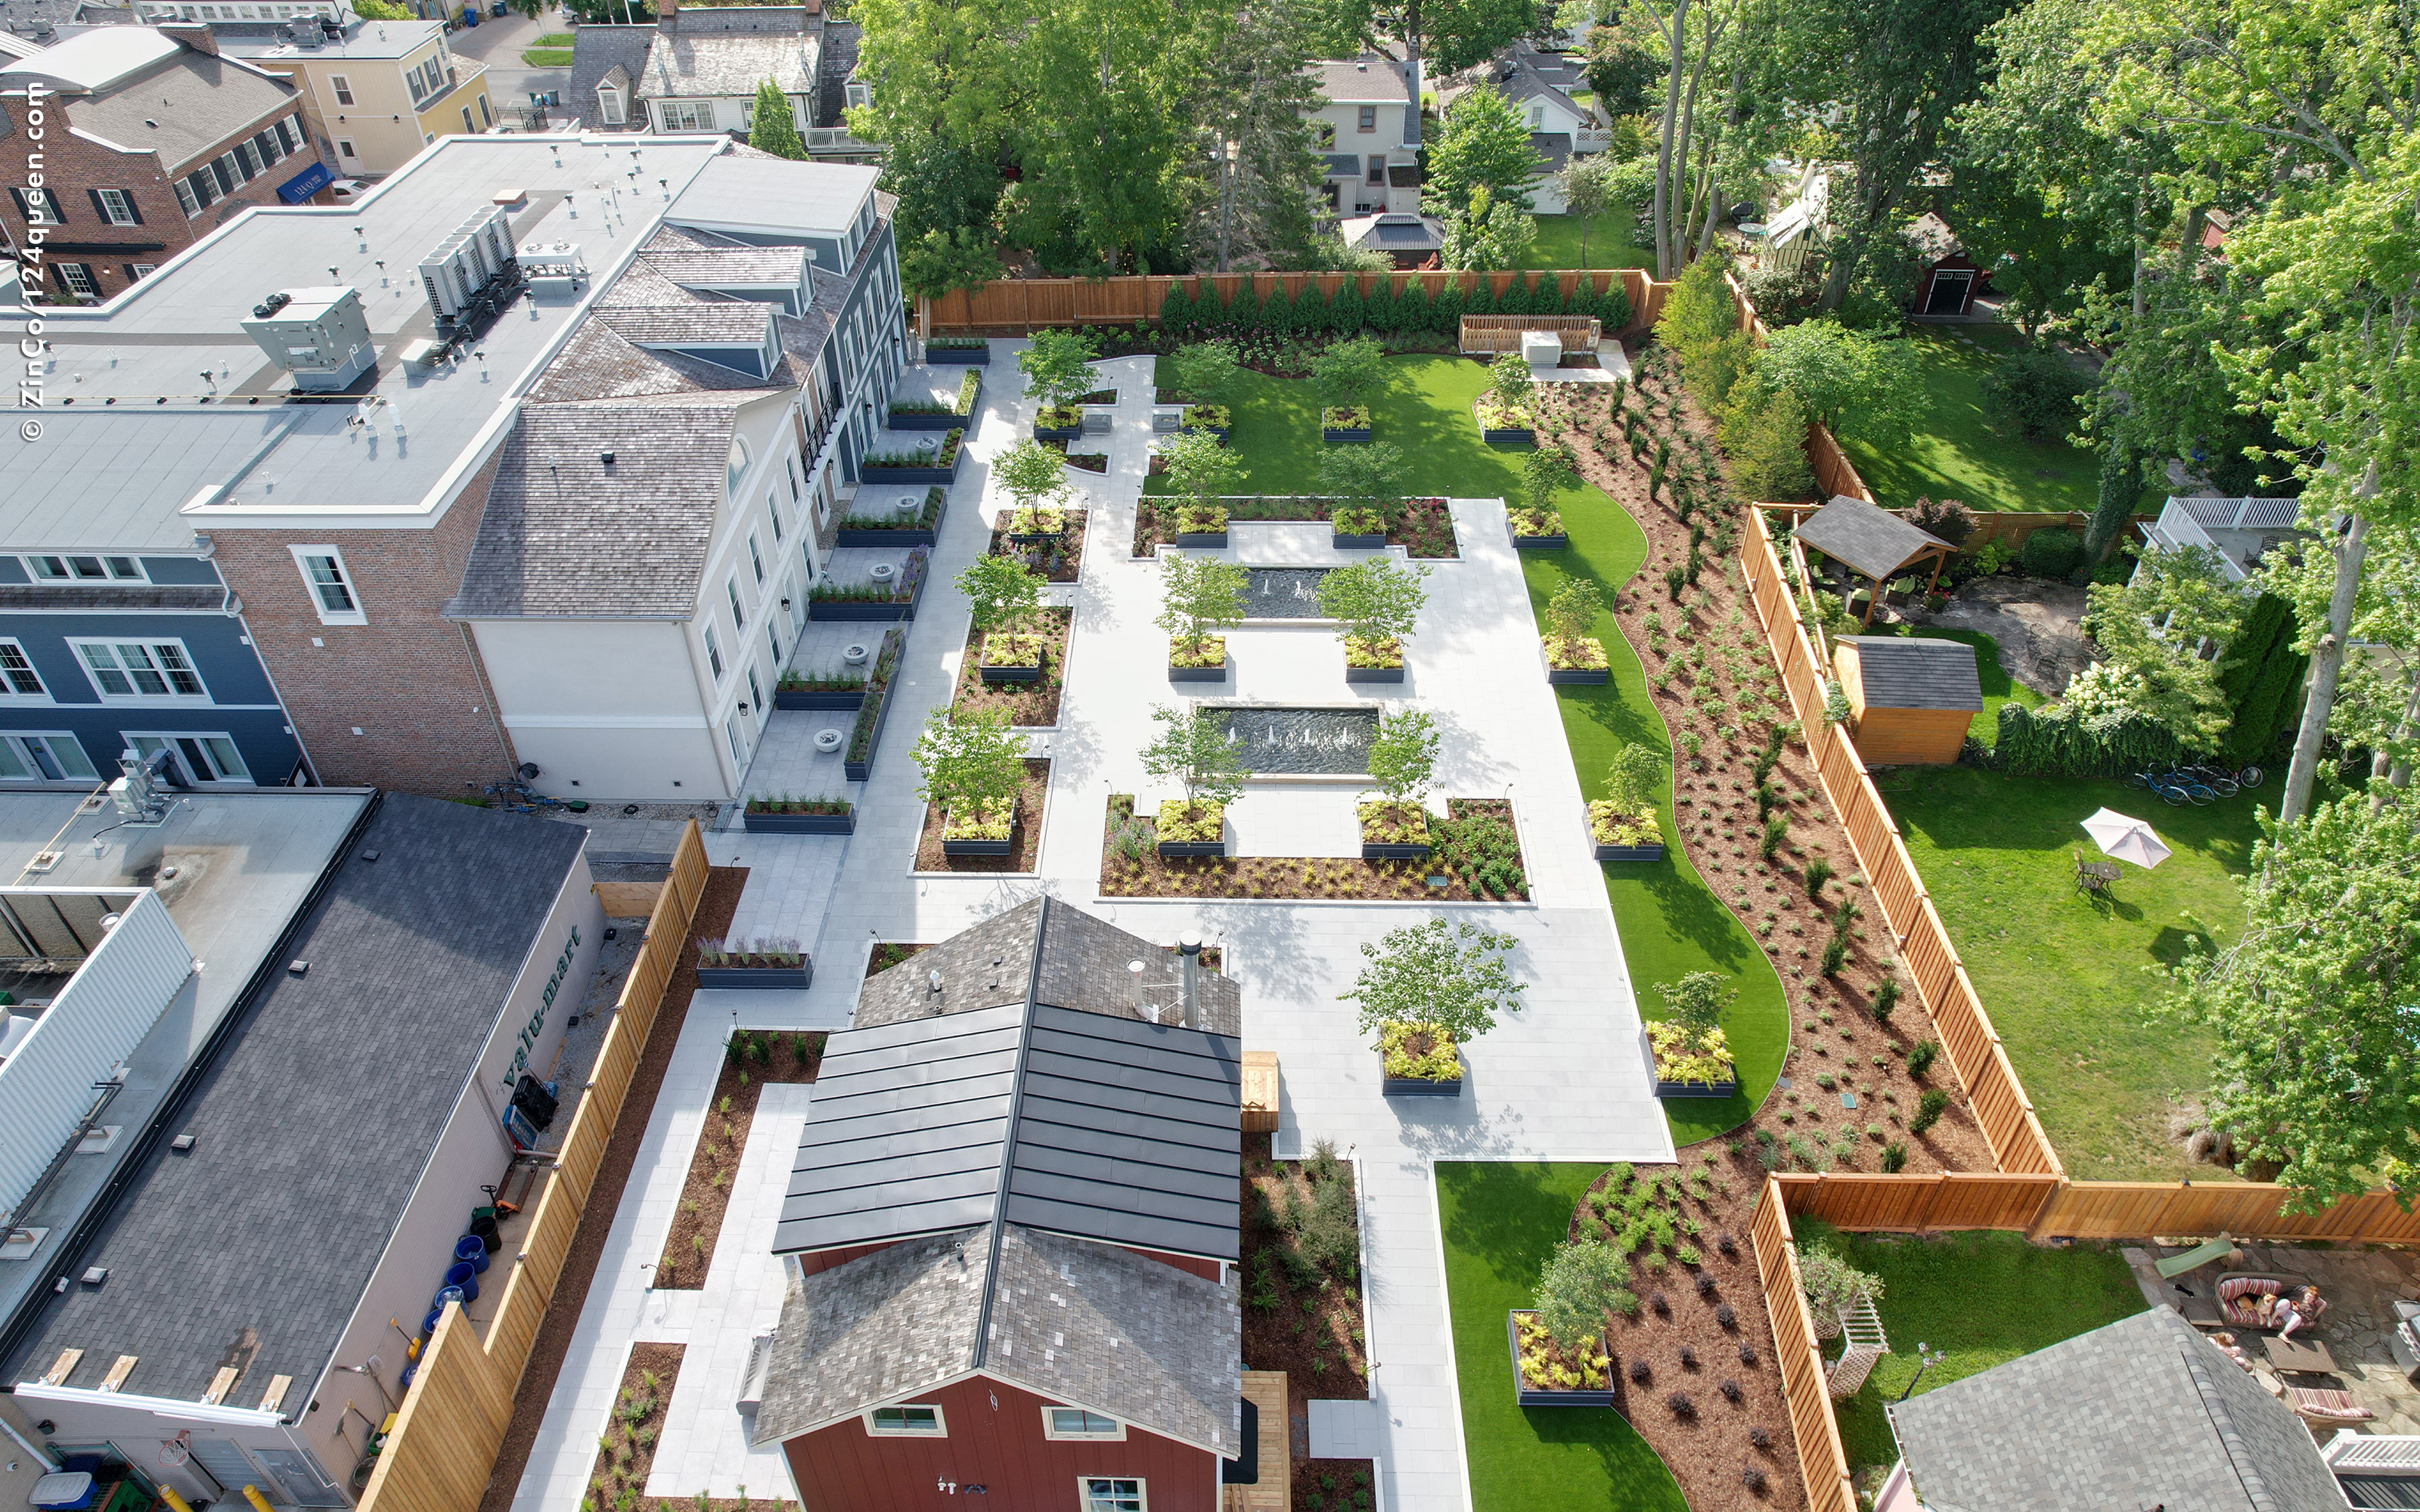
(1423, 527)
(1132, 868)
(1082, 461)
(1320, 1348)
(713, 920)
(748, 1062)
(1027, 833)
(1061, 563)
(619, 1480)
(1333, 1486)
(1027, 703)
(889, 953)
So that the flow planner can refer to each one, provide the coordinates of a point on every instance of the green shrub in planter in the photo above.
(1609, 823)
(1201, 519)
(1011, 648)
(1354, 520)
(1419, 1052)
(1191, 821)
(1393, 823)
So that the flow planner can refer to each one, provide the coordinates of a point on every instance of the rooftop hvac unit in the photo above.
(319, 336)
(466, 264)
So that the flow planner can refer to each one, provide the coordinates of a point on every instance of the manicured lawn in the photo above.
(1669, 921)
(1955, 455)
(546, 57)
(1500, 1221)
(2062, 975)
(1609, 242)
(1985, 1297)
(1998, 686)
(560, 40)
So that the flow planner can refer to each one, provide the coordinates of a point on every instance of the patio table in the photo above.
(2299, 1354)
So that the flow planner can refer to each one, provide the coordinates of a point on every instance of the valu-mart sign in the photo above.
(536, 1024)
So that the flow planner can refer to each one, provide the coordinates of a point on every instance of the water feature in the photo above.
(1283, 593)
(1304, 741)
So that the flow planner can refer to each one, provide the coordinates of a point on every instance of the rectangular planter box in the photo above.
(1198, 674)
(1331, 433)
(1219, 431)
(846, 698)
(801, 824)
(1630, 852)
(1059, 433)
(1540, 543)
(906, 536)
(883, 474)
(853, 609)
(1373, 674)
(1038, 538)
(859, 771)
(1526, 1396)
(1578, 676)
(1508, 437)
(1371, 541)
(1175, 849)
(944, 356)
(1216, 541)
(1011, 674)
(1373, 851)
(1413, 1086)
(912, 420)
(1729, 1088)
(980, 847)
(791, 978)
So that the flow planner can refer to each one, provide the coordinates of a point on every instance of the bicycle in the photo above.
(2158, 783)
(2219, 778)
(2199, 792)
(517, 796)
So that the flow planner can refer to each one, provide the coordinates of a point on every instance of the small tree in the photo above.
(1696, 1002)
(1203, 372)
(1630, 782)
(1508, 380)
(1571, 614)
(1578, 1285)
(973, 764)
(1002, 592)
(1200, 468)
(1349, 372)
(1055, 366)
(1546, 473)
(1194, 750)
(1494, 234)
(774, 129)
(1832, 1285)
(1852, 381)
(1375, 600)
(1453, 977)
(1030, 472)
(1198, 596)
(1365, 477)
(2186, 595)
(1403, 754)
(1588, 188)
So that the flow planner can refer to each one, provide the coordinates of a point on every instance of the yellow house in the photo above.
(380, 90)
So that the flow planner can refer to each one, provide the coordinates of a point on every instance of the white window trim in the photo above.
(8, 690)
(1049, 1431)
(108, 573)
(609, 105)
(77, 644)
(715, 666)
(345, 148)
(1083, 1490)
(170, 737)
(118, 207)
(357, 615)
(940, 1428)
(55, 736)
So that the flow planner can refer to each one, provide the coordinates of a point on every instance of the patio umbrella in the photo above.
(2126, 839)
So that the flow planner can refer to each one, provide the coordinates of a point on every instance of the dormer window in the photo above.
(737, 467)
(608, 106)
(860, 95)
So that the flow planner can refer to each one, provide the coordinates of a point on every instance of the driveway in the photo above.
(499, 44)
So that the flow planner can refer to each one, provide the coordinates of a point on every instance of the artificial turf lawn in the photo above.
(1499, 1220)
(1954, 453)
(1670, 922)
(1984, 1298)
(2062, 974)
(1609, 242)
(1998, 686)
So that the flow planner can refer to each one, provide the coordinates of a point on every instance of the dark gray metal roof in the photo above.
(595, 51)
(1872, 539)
(1062, 1108)
(1909, 673)
(2144, 1412)
(1554, 150)
(312, 1128)
(1342, 164)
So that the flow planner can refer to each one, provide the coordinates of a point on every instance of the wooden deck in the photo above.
(1260, 1091)
(1274, 1491)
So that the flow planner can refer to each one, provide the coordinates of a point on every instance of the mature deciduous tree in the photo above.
(1485, 144)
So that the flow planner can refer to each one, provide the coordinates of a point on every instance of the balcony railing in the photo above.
(836, 139)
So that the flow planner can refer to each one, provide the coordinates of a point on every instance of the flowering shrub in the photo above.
(1505, 417)
(1537, 522)
(1419, 1052)
(1191, 823)
(1585, 653)
(1680, 1060)
(1546, 1366)
(2103, 691)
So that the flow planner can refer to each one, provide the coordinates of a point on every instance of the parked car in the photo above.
(346, 191)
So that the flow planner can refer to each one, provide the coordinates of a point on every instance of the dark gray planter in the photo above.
(1035, 539)
(905, 536)
(1508, 437)
(835, 699)
(1214, 540)
(1540, 543)
(858, 770)
(1526, 1396)
(1729, 1088)
(1371, 541)
(790, 979)
(1578, 676)
(1059, 433)
(980, 847)
(1219, 431)
(857, 609)
(1191, 849)
(1198, 674)
(801, 824)
(1373, 851)
(1414, 1087)
(934, 474)
(919, 420)
(1630, 852)
(947, 356)
(1351, 433)
(1373, 674)
(1011, 674)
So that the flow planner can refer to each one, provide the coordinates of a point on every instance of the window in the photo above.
(772, 633)
(44, 758)
(1103, 1493)
(1076, 1423)
(1377, 168)
(412, 81)
(1537, 116)
(86, 569)
(466, 120)
(685, 116)
(609, 105)
(1368, 121)
(739, 748)
(76, 278)
(140, 669)
(734, 468)
(907, 1421)
(738, 615)
(331, 585)
(756, 692)
(756, 559)
(232, 171)
(773, 513)
(860, 95)
(142, 270)
(117, 206)
(17, 675)
(486, 117)
(345, 147)
(187, 200)
(195, 759)
(253, 165)
(714, 653)
(290, 131)
(39, 206)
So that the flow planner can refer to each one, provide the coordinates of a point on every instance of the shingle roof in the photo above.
(701, 324)
(1074, 1322)
(2144, 1412)
(252, 1248)
(717, 265)
(1366, 81)
(1554, 150)
(683, 65)
(835, 60)
(1394, 232)
(595, 53)
(1343, 165)
(1870, 539)
(1917, 673)
(184, 107)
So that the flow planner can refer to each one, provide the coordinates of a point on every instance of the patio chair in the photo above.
(2322, 1407)
(2093, 876)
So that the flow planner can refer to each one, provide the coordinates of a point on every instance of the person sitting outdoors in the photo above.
(2233, 1350)
(2293, 1312)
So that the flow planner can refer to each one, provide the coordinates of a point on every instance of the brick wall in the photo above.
(410, 680)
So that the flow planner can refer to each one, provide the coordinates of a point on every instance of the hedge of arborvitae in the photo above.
(2260, 676)
(2053, 741)
(1192, 312)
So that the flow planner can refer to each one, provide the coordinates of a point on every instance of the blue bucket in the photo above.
(446, 1294)
(473, 1248)
(403, 1380)
(466, 1275)
(428, 1324)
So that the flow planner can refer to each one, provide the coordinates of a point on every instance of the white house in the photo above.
(1368, 132)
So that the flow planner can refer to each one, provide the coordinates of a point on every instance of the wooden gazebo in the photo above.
(1874, 543)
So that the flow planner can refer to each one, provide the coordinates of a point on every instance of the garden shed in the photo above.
(1947, 279)
(1874, 543)
(1914, 698)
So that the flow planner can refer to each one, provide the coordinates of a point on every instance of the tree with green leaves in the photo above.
(1376, 601)
(1453, 977)
(1349, 372)
(936, 262)
(1200, 468)
(1508, 380)
(385, 10)
(1546, 473)
(1364, 477)
(1198, 596)
(1203, 372)
(1631, 779)
(1253, 128)
(1588, 186)
(1057, 365)
(1572, 612)
(1579, 1284)
(1194, 750)
(1696, 1001)
(1485, 144)
(773, 128)
(2310, 1001)
(973, 764)
(1001, 592)
(1491, 236)
(1030, 472)
(1851, 381)
(2150, 630)
(1402, 754)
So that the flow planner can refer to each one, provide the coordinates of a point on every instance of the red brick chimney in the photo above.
(191, 35)
(668, 16)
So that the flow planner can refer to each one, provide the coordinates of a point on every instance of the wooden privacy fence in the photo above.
(1835, 474)
(2010, 528)
(1795, 1349)
(1016, 305)
(1997, 1097)
(2249, 1210)
(446, 1437)
(1490, 334)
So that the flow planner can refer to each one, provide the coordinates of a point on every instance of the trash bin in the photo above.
(446, 1294)
(474, 1249)
(66, 1492)
(464, 1275)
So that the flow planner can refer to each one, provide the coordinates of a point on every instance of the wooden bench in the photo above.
(1260, 1091)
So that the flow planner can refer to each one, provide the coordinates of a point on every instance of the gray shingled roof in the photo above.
(1917, 673)
(721, 322)
(682, 65)
(596, 51)
(713, 267)
(2144, 1412)
(185, 107)
(1366, 81)
(1870, 539)
(1078, 1323)
(835, 60)
(1554, 150)
(252, 1248)
(1066, 1110)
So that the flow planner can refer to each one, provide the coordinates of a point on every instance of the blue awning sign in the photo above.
(306, 184)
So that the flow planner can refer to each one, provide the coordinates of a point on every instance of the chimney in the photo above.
(193, 35)
(1412, 111)
(668, 16)
(1188, 965)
